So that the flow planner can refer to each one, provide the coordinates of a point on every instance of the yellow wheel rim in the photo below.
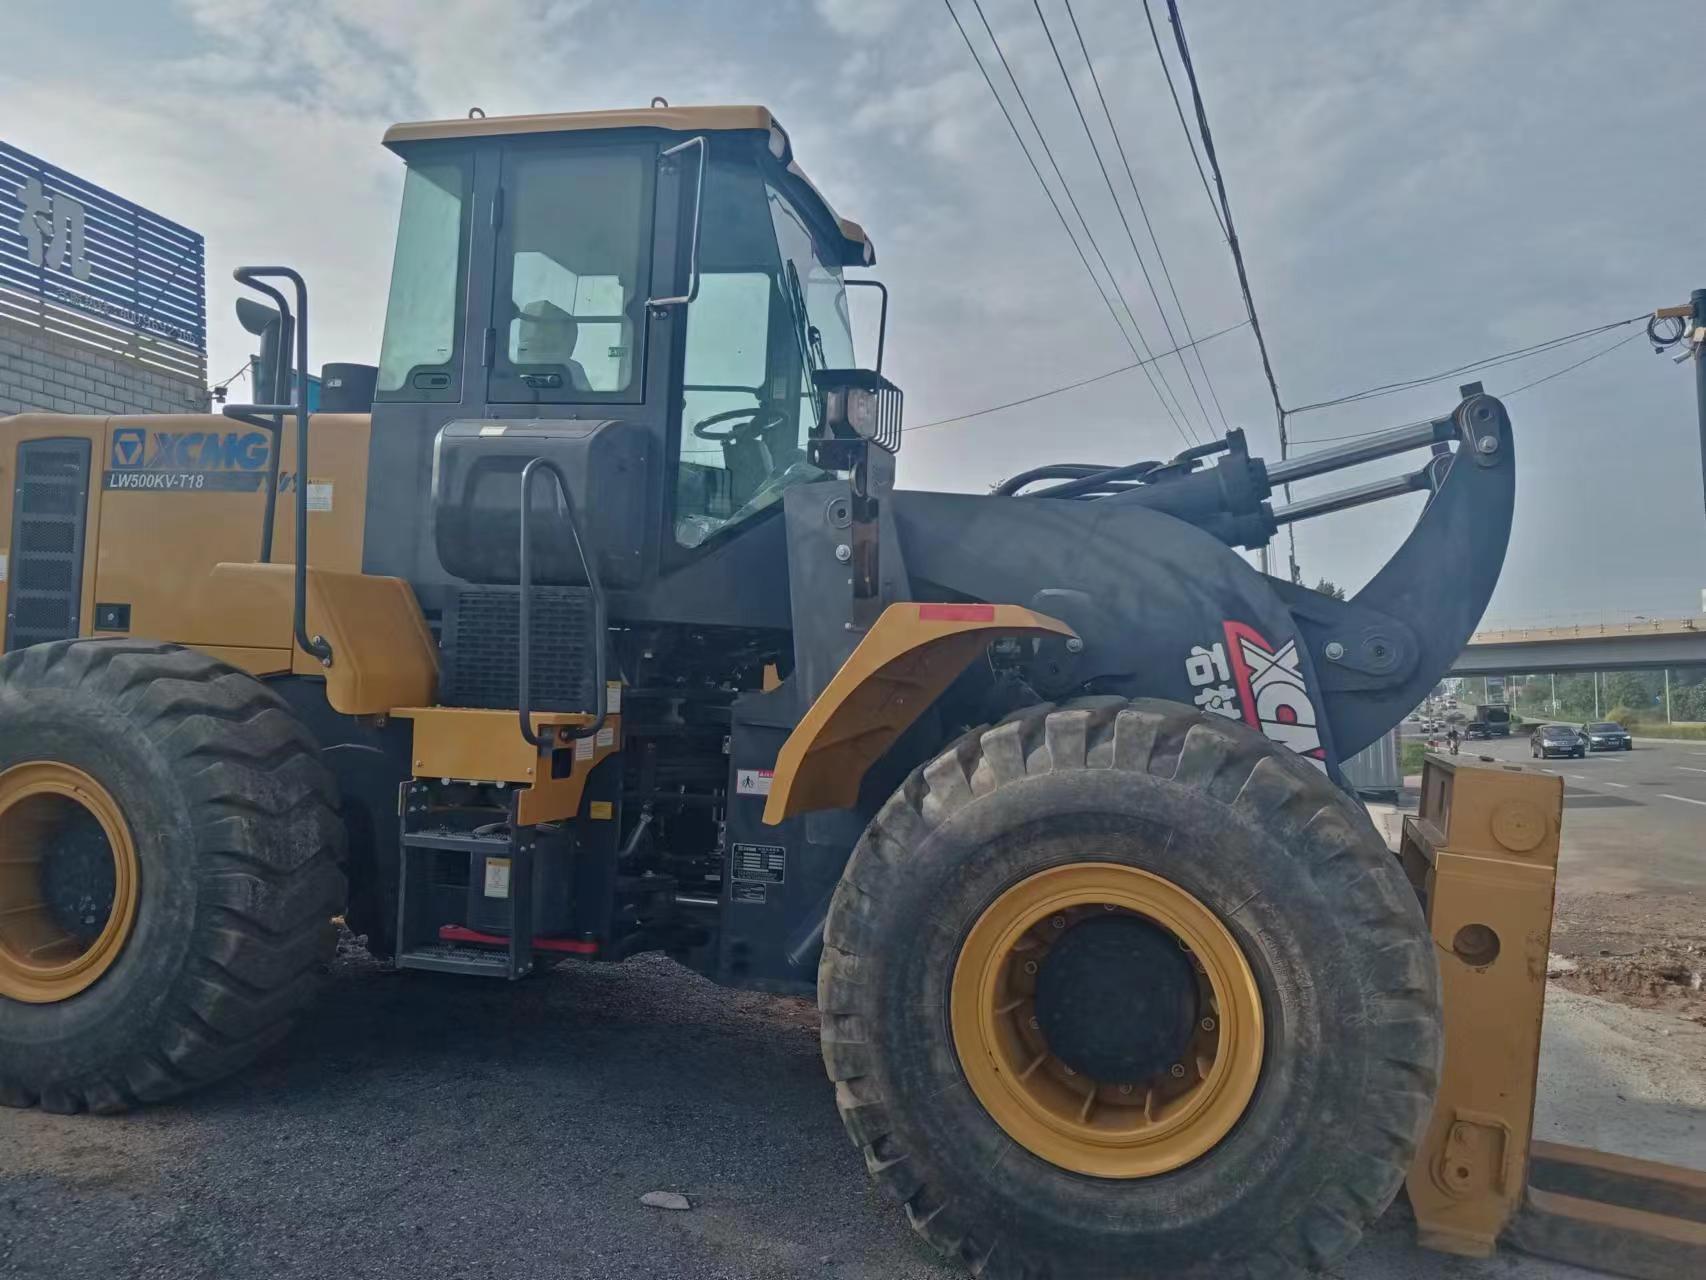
(1106, 1128)
(57, 939)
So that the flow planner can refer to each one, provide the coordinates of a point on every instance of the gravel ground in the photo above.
(460, 1128)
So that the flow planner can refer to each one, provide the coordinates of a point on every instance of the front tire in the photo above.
(1059, 810)
(216, 812)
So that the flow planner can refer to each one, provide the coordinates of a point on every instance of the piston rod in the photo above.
(1357, 496)
(1369, 448)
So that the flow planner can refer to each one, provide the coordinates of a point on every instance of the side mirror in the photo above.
(271, 369)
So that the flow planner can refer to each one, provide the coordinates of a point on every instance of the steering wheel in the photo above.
(738, 430)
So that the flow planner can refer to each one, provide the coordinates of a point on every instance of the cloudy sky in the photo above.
(1415, 186)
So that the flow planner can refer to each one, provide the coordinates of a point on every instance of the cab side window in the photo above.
(571, 288)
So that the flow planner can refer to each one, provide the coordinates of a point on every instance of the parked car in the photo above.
(1606, 735)
(1550, 740)
(1477, 729)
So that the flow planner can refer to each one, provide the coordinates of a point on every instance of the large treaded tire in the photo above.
(239, 845)
(1286, 860)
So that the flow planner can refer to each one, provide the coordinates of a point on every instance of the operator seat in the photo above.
(547, 335)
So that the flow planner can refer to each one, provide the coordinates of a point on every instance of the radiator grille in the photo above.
(45, 584)
(480, 642)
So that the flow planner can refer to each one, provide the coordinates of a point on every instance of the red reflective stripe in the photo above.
(575, 946)
(956, 613)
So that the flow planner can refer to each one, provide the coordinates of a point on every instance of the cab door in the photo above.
(574, 219)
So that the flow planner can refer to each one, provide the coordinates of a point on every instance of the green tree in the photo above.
(1629, 689)
(1330, 589)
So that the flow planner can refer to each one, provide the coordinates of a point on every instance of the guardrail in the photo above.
(1590, 630)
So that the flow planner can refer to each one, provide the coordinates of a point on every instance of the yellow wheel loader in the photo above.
(591, 622)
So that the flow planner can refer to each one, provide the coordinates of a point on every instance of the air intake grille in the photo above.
(481, 630)
(46, 581)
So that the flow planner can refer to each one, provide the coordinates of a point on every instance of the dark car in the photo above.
(1606, 735)
(1477, 729)
(1550, 740)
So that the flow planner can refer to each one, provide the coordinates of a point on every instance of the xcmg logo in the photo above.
(138, 449)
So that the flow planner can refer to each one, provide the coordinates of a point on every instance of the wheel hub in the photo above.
(1107, 1020)
(69, 880)
(1117, 999)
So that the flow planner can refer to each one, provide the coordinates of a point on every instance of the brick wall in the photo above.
(39, 371)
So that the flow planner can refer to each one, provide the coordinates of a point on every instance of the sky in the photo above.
(1414, 186)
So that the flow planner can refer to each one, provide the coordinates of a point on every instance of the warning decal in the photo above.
(753, 782)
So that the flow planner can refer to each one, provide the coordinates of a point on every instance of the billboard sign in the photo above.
(92, 267)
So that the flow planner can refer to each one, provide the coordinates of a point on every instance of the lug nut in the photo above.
(1177, 1070)
(1208, 1024)
(1030, 966)
(1125, 1088)
(843, 552)
(1059, 922)
(1034, 1024)
(1070, 1072)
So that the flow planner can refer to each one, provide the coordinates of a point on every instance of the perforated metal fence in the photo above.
(89, 266)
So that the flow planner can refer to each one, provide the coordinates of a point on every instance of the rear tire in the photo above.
(237, 849)
(1283, 859)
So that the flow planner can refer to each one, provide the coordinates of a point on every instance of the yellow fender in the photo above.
(911, 654)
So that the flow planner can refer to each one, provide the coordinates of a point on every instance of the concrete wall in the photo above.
(39, 371)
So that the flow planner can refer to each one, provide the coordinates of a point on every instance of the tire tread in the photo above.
(269, 858)
(1237, 768)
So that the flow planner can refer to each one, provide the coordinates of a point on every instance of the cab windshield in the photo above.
(771, 311)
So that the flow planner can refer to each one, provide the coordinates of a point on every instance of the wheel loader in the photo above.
(592, 622)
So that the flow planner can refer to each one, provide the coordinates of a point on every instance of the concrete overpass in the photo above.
(1636, 645)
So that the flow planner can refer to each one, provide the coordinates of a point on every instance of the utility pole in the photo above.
(1697, 339)
(1693, 320)
(1596, 695)
(1667, 695)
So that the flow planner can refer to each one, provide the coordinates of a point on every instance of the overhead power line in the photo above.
(1488, 362)
(1183, 422)
(1048, 192)
(1070, 386)
(1190, 338)
(1226, 211)
(1190, 141)
(1119, 209)
(1506, 395)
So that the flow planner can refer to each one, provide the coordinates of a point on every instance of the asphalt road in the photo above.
(460, 1129)
(1634, 821)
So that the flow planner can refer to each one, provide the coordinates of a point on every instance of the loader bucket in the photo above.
(1482, 853)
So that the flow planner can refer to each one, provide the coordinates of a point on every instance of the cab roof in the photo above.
(856, 245)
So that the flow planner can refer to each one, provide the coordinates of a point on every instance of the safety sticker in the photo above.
(755, 893)
(607, 737)
(753, 782)
(2, 566)
(760, 863)
(497, 877)
(319, 495)
(583, 748)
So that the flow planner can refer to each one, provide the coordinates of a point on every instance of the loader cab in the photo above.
(642, 297)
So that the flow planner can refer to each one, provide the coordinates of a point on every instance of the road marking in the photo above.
(1579, 777)
(1622, 786)
(1685, 799)
(1688, 768)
